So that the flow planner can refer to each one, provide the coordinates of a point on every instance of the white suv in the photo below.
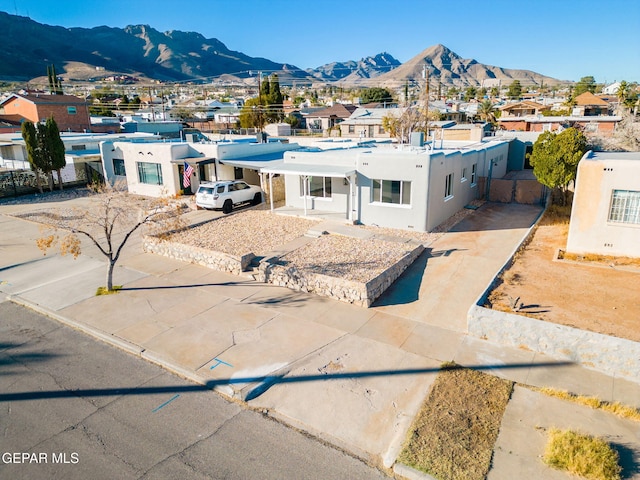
(227, 194)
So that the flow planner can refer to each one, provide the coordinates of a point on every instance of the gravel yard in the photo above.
(347, 257)
(256, 231)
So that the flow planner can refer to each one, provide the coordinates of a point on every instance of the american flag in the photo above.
(186, 176)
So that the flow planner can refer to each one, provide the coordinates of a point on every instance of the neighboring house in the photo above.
(70, 113)
(11, 123)
(465, 131)
(522, 109)
(136, 123)
(367, 123)
(602, 125)
(588, 105)
(611, 89)
(156, 168)
(605, 216)
(322, 120)
(82, 153)
(412, 188)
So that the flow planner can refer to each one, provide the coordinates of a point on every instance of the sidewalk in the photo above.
(353, 376)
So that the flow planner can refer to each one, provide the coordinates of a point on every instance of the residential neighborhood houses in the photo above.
(453, 167)
(338, 165)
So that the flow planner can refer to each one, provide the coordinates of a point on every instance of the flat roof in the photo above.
(614, 156)
(342, 171)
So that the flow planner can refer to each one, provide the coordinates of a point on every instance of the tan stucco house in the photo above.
(605, 217)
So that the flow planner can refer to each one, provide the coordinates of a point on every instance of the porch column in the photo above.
(350, 205)
(271, 190)
(305, 179)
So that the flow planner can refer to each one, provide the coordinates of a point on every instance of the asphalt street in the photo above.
(75, 408)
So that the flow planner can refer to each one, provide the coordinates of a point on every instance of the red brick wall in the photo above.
(66, 122)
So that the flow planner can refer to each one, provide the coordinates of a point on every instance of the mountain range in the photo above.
(141, 51)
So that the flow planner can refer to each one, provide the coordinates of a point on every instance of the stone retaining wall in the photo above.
(361, 294)
(200, 256)
(607, 354)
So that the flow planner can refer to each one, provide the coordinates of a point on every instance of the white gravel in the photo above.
(350, 258)
(256, 231)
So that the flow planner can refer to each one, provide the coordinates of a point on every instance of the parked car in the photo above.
(227, 194)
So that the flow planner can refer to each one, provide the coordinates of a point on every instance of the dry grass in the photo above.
(603, 259)
(582, 455)
(454, 433)
(556, 215)
(624, 411)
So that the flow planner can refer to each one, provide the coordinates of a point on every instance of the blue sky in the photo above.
(565, 39)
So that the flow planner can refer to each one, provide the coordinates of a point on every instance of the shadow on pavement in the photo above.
(406, 289)
(629, 460)
(193, 285)
(265, 382)
(8, 358)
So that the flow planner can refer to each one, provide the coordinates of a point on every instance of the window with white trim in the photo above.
(474, 173)
(625, 207)
(149, 173)
(391, 191)
(448, 186)
(318, 187)
(463, 177)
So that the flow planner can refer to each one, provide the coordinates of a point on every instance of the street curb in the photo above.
(94, 332)
(411, 473)
(117, 342)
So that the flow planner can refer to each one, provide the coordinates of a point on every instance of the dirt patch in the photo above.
(454, 434)
(599, 297)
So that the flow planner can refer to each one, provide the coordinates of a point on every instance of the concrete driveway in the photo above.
(353, 376)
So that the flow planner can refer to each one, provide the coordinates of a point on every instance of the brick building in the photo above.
(70, 113)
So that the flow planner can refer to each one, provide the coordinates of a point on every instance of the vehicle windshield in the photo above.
(205, 190)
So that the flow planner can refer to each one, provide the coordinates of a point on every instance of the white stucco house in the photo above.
(156, 168)
(414, 188)
(605, 216)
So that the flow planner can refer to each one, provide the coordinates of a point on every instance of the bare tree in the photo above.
(412, 119)
(109, 221)
(626, 136)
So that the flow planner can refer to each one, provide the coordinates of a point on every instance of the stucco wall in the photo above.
(590, 230)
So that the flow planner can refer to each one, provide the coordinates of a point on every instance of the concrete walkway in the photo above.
(355, 377)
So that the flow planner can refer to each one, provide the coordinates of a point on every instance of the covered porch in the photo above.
(347, 200)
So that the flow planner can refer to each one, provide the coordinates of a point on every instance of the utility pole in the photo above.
(425, 75)
(260, 100)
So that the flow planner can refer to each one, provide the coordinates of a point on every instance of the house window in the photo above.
(118, 167)
(474, 173)
(448, 186)
(318, 186)
(380, 129)
(237, 173)
(463, 177)
(352, 129)
(391, 191)
(625, 207)
(78, 147)
(71, 110)
(150, 173)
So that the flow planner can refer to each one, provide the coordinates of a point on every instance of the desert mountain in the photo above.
(450, 69)
(139, 50)
(142, 51)
(353, 71)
